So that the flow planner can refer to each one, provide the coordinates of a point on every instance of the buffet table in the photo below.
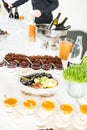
(17, 41)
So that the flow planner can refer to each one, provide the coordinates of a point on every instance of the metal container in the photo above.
(48, 35)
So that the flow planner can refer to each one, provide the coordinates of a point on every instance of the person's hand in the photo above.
(10, 6)
(37, 13)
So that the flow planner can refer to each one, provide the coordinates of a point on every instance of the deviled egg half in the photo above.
(10, 103)
(63, 115)
(80, 120)
(29, 105)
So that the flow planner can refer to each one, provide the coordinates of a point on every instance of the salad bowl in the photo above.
(39, 84)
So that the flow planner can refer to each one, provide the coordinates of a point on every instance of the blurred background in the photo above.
(75, 10)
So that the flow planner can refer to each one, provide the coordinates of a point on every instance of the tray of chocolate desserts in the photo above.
(35, 62)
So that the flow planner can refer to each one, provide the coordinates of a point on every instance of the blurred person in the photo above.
(42, 9)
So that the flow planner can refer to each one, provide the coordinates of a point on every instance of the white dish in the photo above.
(39, 91)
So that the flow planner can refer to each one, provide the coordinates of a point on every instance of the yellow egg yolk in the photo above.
(48, 105)
(83, 108)
(30, 104)
(67, 109)
(10, 102)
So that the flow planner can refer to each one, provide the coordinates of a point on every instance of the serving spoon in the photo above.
(29, 60)
(6, 61)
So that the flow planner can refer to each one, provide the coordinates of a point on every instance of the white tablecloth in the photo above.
(18, 41)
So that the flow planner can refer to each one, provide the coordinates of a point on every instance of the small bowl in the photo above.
(11, 66)
(58, 67)
(46, 66)
(36, 66)
(24, 64)
(2, 64)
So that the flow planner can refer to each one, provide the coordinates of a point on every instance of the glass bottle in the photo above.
(60, 26)
(55, 21)
(5, 4)
(77, 50)
(16, 15)
(11, 14)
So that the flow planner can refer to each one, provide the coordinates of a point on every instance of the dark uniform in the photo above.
(45, 6)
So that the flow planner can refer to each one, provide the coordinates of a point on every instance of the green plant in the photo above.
(84, 61)
(76, 73)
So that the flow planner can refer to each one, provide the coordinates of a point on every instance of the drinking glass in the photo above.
(32, 32)
(65, 47)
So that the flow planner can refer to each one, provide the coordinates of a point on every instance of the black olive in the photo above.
(30, 82)
(24, 82)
